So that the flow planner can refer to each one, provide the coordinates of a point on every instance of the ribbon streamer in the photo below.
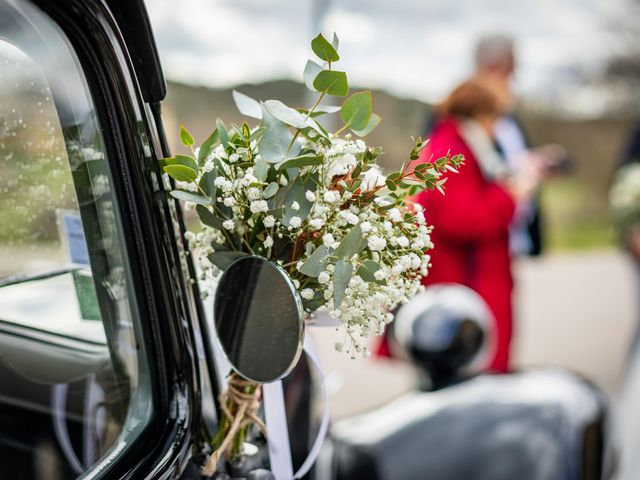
(276, 417)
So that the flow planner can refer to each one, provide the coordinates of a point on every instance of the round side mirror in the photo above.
(447, 331)
(259, 319)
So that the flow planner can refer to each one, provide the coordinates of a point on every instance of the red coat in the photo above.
(471, 233)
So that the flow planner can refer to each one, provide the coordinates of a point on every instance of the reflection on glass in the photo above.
(258, 317)
(72, 373)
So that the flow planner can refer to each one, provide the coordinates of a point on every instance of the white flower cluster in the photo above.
(351, 247)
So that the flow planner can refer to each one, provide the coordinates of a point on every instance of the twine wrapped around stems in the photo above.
(239, 403)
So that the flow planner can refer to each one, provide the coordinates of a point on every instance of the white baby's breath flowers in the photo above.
(376, 243)
(295, 222)
(350, 249)
(331, 196)
(269, 221)
(258, 206)
(306, 293)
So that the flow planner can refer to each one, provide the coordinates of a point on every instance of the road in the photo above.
(575, 310)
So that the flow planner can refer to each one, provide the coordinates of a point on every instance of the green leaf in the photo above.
(351, 244)
(341, 276)
(208, 218)
(332, 82)
(257, 134)
(373, 122)
(207, 146)
(222, 132)
(190, 197)
(271, 190)
(285, 114)
(367, 270)
(261, 170)
(181, 173)
(185, 137)
(324, 50)
(223, 260)
(316, 262)
(335, 42)
(247, 105)
(207, 183)
(276, 139)
(311, 71)
(295, 192)
(306, 160)
(187, 161)
(356, 110)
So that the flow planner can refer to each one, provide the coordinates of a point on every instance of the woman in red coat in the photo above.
(471, 222)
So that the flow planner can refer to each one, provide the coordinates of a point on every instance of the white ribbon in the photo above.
(276, 417)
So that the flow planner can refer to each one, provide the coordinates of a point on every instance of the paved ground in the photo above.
(575, 310)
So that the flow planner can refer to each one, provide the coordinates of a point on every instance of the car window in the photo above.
(73, 374)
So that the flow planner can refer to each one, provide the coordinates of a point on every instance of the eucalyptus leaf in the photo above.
(181, 173)
(311, 71)
(247, 105)
(261, 170)
(271, 190)
(285, 114)
(190, 197)
(185, 137)
(373, 122)
(296, 192)
(316, 262)
(351, 244)
(207, 183)
(185, 160)
(306, 160)
(276, 139)
(207, 217)
(324, 50)
(332, 82)
(222, 132)
(223, 260)
(341, 276)
(356, 110)
(207, 146)
(367, 270)
(335, 42)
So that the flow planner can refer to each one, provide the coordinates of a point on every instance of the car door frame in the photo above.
(133, 140)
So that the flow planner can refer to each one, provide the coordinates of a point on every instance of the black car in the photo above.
(107, 367)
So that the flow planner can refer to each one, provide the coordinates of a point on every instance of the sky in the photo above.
(411, 48)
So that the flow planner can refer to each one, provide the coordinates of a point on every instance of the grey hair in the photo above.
(494, 51)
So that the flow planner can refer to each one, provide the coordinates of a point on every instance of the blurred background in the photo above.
(577, 79)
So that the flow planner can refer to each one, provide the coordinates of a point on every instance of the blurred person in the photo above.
(495, 67)
(471, 223)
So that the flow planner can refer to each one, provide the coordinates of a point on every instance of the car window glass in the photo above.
(73, 375)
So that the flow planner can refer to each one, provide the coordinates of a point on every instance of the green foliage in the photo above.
(275, 142)
(324, 50)
(247, 105)
(181, 173)
(341, 276)
(190, 197)
(311, 71)
(316, 262)
(351, 244)
(356, 110)
(185, 137)
(332, 82)
(223, 260)
(373, 122)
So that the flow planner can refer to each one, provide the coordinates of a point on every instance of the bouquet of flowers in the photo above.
(313, 201)
(625, 198)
